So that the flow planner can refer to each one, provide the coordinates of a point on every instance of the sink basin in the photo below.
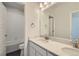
(71, 51)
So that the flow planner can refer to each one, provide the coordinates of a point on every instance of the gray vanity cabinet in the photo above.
(36, 50)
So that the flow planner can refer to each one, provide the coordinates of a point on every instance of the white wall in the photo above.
(31, 15)
(62, 13)
(3, 15)
(16, 26)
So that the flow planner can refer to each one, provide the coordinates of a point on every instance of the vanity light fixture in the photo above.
(45, 5)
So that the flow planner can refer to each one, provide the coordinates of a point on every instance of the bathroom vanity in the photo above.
(36, 50)
(42, 47)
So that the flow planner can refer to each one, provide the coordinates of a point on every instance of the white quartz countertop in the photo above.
(54, 47)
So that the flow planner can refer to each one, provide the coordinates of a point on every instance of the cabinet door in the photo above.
(40, 50)
(34, 49)
(31, 51)
(38, 54)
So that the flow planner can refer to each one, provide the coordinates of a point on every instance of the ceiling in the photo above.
(18, 5)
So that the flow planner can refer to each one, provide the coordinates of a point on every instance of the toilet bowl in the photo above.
(21, 47)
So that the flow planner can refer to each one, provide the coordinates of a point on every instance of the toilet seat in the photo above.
(21, 46)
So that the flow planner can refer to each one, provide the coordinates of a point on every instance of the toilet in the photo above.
(21, 47)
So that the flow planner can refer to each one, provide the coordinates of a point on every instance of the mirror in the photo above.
(46, 25)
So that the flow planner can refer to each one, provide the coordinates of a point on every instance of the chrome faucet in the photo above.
(76, 43)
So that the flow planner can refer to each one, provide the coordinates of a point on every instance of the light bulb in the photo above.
(41, 5)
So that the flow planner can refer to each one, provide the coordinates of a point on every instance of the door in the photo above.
(2, 29)
(51, 26)
(75, 26)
